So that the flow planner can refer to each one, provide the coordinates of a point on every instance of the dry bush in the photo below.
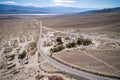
(32, 47)
(38, 77)
(58, 48)
(55, 78)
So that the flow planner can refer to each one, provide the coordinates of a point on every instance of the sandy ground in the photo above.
(27, 31)
(96, 61)
(100, 61)
(102, 57)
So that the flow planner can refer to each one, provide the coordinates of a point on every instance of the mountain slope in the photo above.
(105, 21)
(9, 9)
(15, 9)
(101, 11)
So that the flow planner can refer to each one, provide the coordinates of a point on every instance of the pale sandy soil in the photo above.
(96, 61)
(105, 61)
(102, 57)
(25, 31)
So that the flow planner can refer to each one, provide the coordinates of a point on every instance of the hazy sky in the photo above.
(70, 3)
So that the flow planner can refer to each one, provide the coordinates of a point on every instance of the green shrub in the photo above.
(87, 42)
(71, 44)
(59, 40)
(81, 41)
(58, 48)
(22, 55)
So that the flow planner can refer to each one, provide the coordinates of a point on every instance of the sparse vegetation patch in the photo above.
(81, 41)
(32, 47)
(58, 48)
(71, 44)
(22, 55)
(59, 40)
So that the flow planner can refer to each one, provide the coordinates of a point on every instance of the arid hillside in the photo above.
(108, 21)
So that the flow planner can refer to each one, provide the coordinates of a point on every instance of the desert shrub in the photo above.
(81, 41)
(39, 77)
(59, 40)
(33, 45)
(71, 44)
(22, 55)
(87, 42)
(32, 52)
(55, 78)
(58, 48)
(32, 48)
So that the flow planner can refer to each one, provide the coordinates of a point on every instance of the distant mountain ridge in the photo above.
(101, 11)
(15, 9)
